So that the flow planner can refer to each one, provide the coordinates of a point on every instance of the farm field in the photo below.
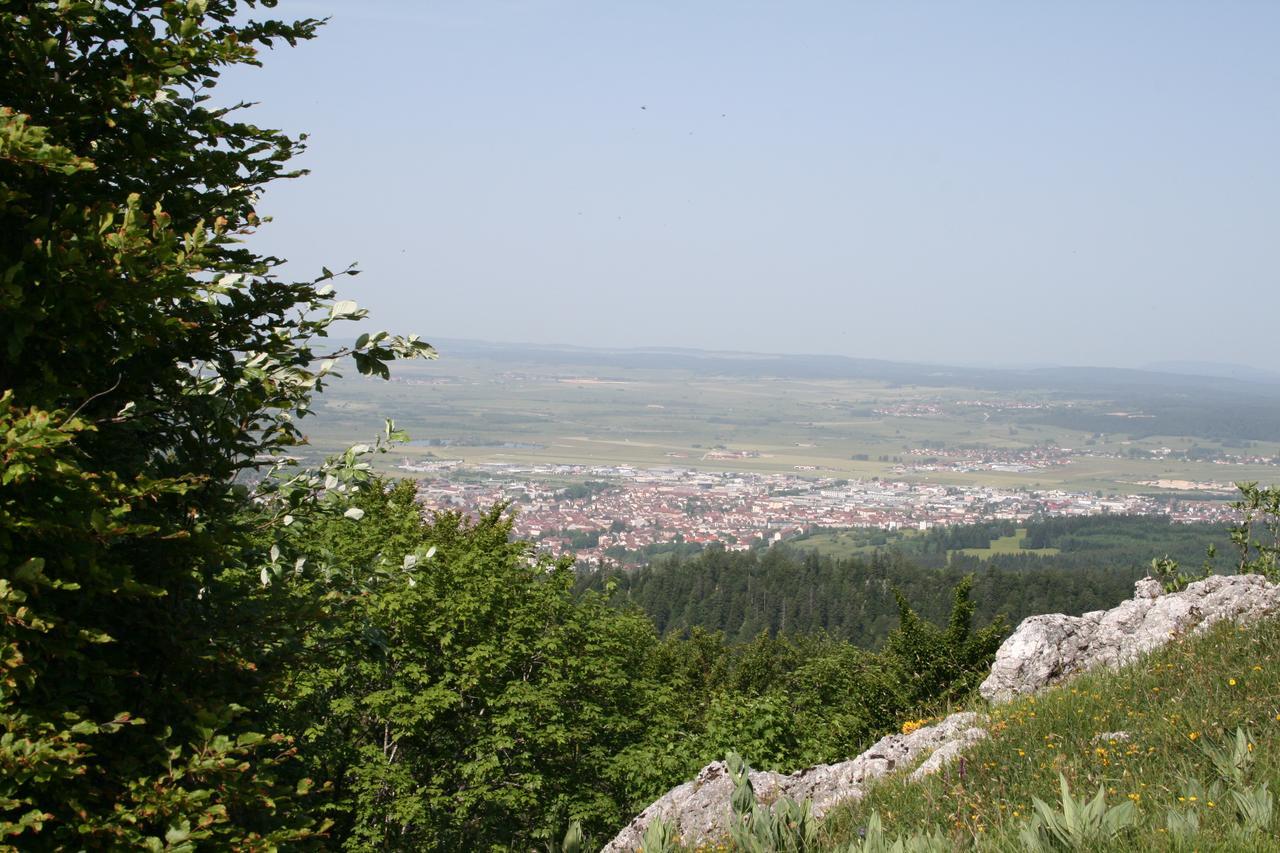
(481, 407)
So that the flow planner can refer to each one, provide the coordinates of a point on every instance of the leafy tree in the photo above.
(1257, 535)
(151, 365)
(941, 664)
(456, 693)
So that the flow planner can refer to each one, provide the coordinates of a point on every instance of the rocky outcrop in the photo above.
(1048, 649)
(827, 784)
(1043, 651)
(700, 810)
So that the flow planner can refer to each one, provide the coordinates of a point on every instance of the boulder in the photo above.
(1048, 649)
(828, 784)
(700, 810)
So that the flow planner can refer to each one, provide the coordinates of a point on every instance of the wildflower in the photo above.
(1193, 735)
(1231, 682)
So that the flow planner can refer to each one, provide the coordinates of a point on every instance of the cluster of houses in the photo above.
(632, 509)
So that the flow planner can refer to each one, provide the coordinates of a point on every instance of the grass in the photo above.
(856, 541)
(1007, 545)
(1172, 704)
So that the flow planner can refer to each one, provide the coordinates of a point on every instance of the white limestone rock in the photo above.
(828, 784)
(1048, 649)
(700, 810)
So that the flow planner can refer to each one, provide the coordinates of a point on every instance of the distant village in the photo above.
(589, 510)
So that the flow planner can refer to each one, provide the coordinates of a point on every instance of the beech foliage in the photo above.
(152, 367)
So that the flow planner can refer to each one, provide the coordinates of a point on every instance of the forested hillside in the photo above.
(1098, 541)
(451, 692)
(789, 589)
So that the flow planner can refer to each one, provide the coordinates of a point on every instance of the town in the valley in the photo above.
(600, 511)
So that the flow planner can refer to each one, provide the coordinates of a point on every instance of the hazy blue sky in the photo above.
(1083, 182)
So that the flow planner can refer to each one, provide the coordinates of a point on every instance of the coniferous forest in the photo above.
(792, 589)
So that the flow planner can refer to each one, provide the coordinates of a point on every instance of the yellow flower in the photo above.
(1193, 735)
(1231, 681)
(911, 725)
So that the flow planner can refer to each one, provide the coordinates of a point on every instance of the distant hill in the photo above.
(1223, 403)
(1243, 372)
(810, 366)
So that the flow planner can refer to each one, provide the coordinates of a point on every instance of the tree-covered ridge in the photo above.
(791, 588)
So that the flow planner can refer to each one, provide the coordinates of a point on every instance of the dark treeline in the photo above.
(787, 589)
(1090, 542)
(1131, 539)
(1231, 417)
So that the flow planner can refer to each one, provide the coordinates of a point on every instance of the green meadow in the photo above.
(1014, 544)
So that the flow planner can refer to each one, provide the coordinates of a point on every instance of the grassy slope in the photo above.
(1173, 703)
